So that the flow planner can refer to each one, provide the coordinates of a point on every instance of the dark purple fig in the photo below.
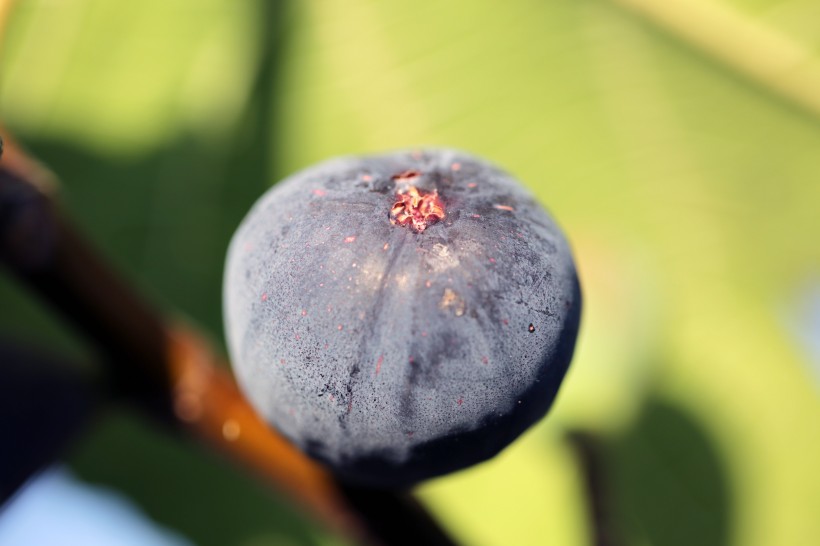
(400, 316)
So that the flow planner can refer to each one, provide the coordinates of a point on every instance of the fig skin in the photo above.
(394, 355)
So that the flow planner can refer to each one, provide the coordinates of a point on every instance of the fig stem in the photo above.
(170, 371)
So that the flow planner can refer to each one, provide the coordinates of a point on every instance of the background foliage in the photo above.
(687, 183)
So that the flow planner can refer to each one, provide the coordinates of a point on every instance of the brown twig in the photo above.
(171, 371)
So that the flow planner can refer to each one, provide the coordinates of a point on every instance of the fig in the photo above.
(400, 316)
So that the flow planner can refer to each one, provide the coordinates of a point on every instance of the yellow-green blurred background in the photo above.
(677, 142)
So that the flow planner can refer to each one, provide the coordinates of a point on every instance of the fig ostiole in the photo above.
(400, 316)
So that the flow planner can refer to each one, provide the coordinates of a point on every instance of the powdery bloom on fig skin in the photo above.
(416, 209)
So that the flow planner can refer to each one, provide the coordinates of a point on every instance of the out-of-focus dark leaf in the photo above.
(669, 482)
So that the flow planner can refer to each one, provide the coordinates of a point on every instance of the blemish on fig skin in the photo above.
(264, 296)
(416, 209)
(350, 239)
(456, 166)
(460, 401)
(379, 363)
(472, 185)
(504, 207)
(406, 176)
(531, 328)
(319, 192)
(451, 300)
